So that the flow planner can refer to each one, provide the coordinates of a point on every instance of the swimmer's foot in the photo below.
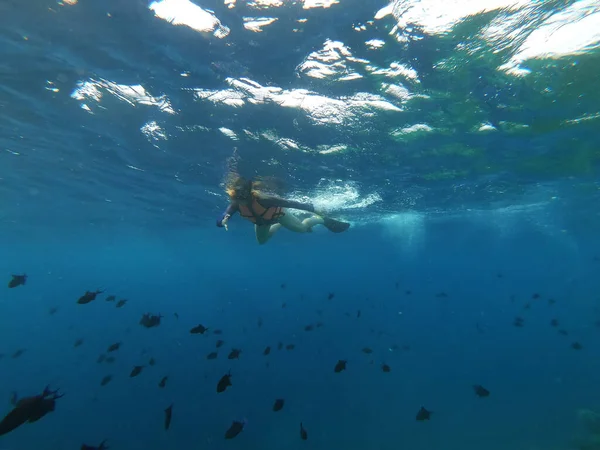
(335, 226)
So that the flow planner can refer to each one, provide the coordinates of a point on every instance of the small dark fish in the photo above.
(527, 306)
(234, 354)
(423, 414)
(278, 405)
(199, 329)
(78, 342)
(408, 292)
(290, 347)
(319, 324)
(499, 275)
(282, 286)
(441, 295)
(358, 314)
(219, 343)
(101, 358)
(176, 316)
(150, 320)
(554, 323)
(341, 365)
(279, 345)
(309, 328)
(224, 382)
(152, 361)
(518, 322)
(114, 347)
(284, 304)
(303, 433)
(14, 398)
(29, 409)
(267, 350)
(563, 332)
(52, 310)
(110, 359)
(576, 346)
(136, 371)
(168, 413)
(17, 280)
(480, 391)
(106, 380)
(385, 368)
(259, 322)
(367, 350)
(331, 295)
(88, 297)
(217, 331)
(551, 301)
(18, 353)
(121, 303)
(235, 429)
(535, 296)
(397, 285)
(212, 355)
(110, 298)
(163, 382)
(102, 446)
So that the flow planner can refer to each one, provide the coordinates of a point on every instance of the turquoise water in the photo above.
(460, 141)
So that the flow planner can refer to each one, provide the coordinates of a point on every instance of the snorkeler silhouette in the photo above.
(268, 213)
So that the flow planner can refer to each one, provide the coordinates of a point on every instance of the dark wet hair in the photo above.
(240, 188)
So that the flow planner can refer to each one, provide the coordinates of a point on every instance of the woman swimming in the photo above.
(269, 213)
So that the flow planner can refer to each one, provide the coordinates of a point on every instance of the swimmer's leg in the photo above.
(265, 232)
(291, 222)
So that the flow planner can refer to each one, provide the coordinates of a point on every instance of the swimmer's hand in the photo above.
(222, 223)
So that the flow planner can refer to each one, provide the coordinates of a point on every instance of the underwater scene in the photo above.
(300, 224)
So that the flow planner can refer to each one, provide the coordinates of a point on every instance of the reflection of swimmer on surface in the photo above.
(268, 213)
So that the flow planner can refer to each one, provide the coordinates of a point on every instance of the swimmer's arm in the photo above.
(277, 202)
(230, 211)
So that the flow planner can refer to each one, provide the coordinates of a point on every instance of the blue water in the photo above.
(460, 143)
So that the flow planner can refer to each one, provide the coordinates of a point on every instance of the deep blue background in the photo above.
(224, 280)
(88, 202)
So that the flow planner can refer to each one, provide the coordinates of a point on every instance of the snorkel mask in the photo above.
(243, 190)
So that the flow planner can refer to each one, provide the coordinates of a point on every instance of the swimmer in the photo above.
(269, 214)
